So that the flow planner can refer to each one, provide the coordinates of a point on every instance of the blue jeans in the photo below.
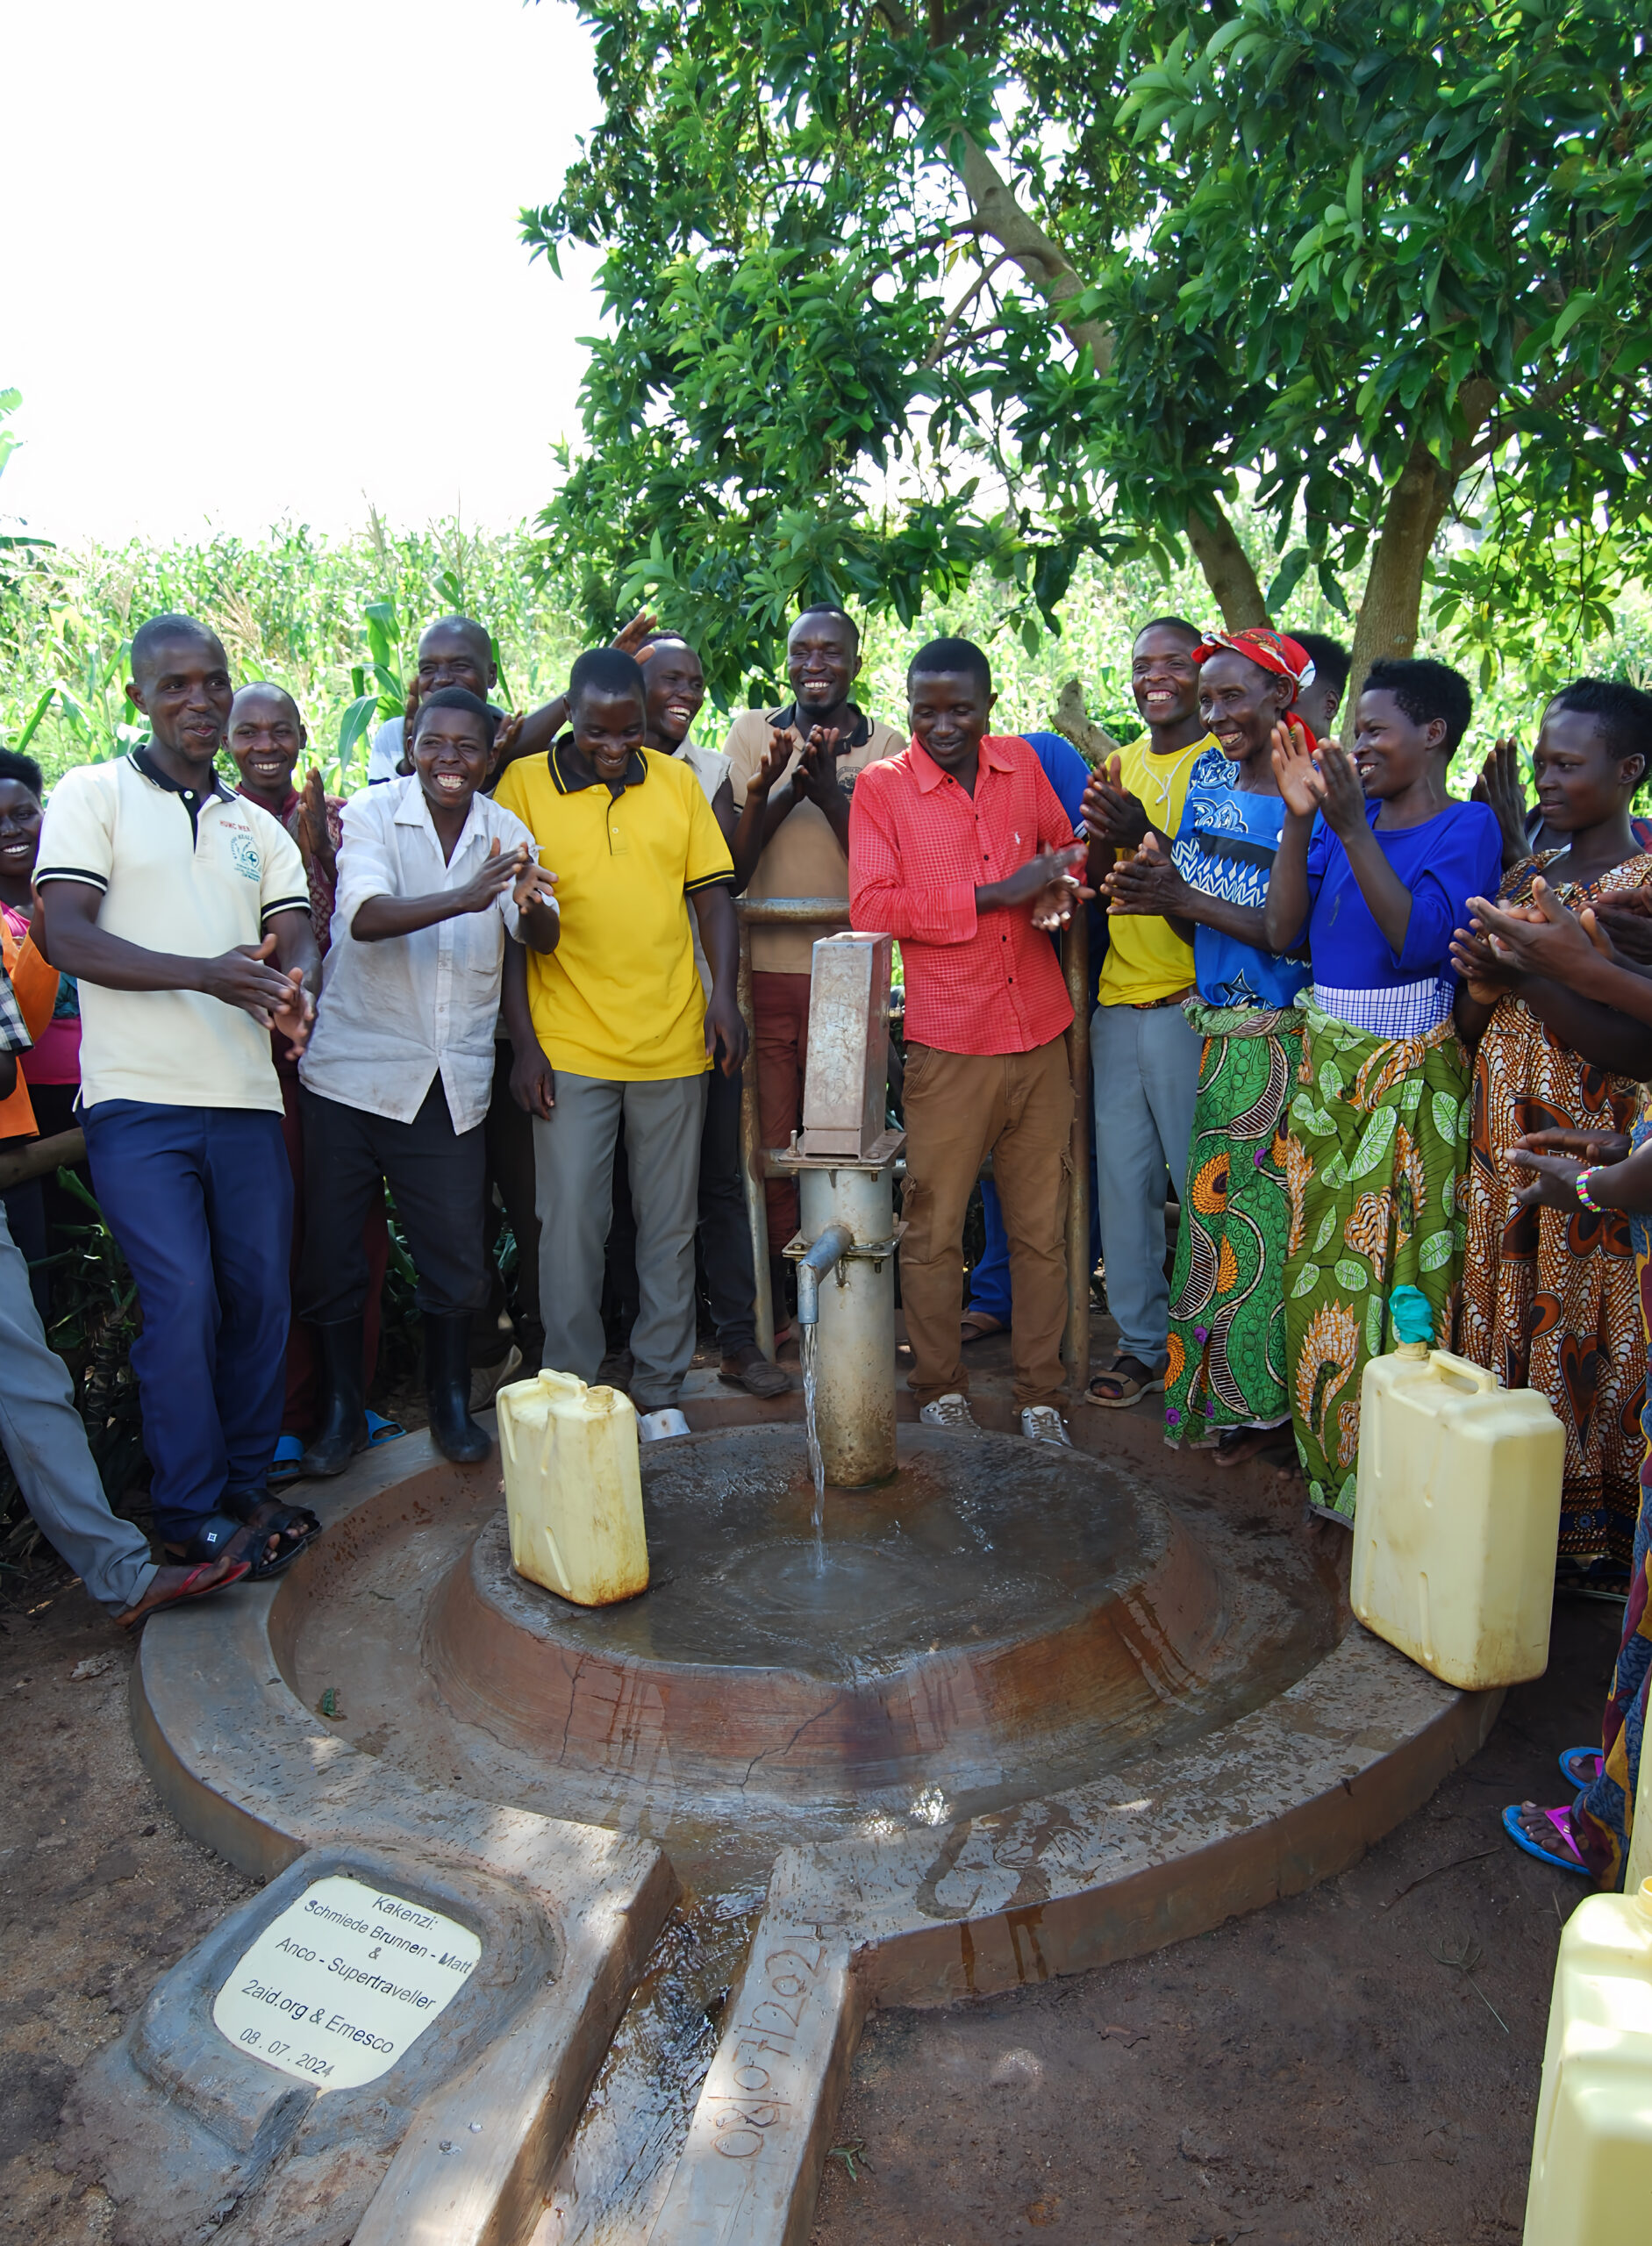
(200, 1201)
(1145, 1063)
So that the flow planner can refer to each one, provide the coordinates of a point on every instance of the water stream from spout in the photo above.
(808, 1349)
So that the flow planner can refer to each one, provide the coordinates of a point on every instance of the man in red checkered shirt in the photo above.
(959, 848)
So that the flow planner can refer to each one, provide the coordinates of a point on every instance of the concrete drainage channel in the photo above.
(468, 1967)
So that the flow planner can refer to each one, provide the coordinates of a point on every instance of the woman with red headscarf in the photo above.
(1226, 1383)
(1376, 865)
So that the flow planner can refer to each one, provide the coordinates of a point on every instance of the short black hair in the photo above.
(606, 671)
(467, 628)
(1167, 624)
(14, 767)
(667, 639)
(455, 697)
(1622, 715)
(159, 629)
(961, 657)
(1425, 689)
(1332, 662)
(270, 686)
(825, 608)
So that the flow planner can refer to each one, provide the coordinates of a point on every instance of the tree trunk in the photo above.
(1227, 570)
(1386, 625)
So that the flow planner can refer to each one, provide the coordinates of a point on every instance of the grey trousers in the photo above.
(574, 1165)
(1145, 1062)
(45, 1442)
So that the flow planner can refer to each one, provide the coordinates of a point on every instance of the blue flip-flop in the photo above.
(379, 1431)
(284, 1466)
(1557, 1818)
(1581, 1766)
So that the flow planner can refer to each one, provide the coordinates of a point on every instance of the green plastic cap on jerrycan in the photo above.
(572, 1488)
(1456, 1510)
(1591, 2148)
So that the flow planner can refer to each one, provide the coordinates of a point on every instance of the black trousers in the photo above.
(724, 1239)
(436, 1177)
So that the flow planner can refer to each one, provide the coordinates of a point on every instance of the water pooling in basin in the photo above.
(1001, 1619)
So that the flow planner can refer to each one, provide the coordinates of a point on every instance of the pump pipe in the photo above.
(833, 1246)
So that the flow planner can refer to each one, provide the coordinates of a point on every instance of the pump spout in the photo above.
(832, 1247)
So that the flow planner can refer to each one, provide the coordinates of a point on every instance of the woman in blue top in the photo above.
(1379, 1131)
(1225, 1382)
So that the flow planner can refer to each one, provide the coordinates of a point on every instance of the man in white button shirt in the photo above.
(434, 882)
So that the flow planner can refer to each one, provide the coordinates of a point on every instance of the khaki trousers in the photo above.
(960, 1108)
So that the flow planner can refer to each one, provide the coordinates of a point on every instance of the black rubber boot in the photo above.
(448, 1390)
(341, 1430)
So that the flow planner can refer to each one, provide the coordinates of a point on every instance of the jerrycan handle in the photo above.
(1449, 1366)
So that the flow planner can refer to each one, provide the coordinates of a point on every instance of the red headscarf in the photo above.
(1262, 644)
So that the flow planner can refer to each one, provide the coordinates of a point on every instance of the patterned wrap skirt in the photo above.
(1603, 1816)
(1228, 1366)
(1377, 1143)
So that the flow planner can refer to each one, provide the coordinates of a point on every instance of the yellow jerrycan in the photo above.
(1591, 2150)
(572, 1491)
(1639, 1863)
(1456, 1510)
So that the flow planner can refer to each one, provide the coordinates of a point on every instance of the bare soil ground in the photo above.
(1355, 2067)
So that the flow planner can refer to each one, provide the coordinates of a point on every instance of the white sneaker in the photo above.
(1043, 1423)
(653, 1426)
(952, 1412)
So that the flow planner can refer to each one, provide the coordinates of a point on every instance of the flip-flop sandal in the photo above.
(283, 1467)
(296, 1524)
(191, 1587)
(378, 1431)
(980, 1325)
(1581, 1766)
(1561, 1819)
(1132, 1389)
(760, 1378)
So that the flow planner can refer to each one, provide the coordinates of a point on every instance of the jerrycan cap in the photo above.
(1414, 1319)
(1644, 1899)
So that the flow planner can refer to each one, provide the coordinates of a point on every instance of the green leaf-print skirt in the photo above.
(1378, 1140)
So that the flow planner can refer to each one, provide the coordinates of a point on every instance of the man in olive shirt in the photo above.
(792, 771)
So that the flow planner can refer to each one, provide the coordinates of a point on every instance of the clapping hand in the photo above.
(1301, 783)
(534, 884)
(817, 773)
(1342, 797)
(769, 773)
(1110, 813)
(1545, 939)
(1148, 883)
(314, 835)
(498, 871)
(1487, 974)
(1624, 918)
(1501, 789)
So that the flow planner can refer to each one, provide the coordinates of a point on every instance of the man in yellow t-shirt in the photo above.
(614, 1026)
(1144, 1054)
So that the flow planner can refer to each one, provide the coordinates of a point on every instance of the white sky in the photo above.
(263, 260)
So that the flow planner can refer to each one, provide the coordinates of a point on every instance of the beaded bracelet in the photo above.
(1580, 1186)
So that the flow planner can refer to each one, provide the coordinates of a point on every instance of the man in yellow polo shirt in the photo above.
(613, 1028)
(1145, 1055)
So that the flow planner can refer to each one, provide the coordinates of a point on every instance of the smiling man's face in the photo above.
(185, 691)
(1163, 675)
(267, 738)
(676, 689)
(451, 756)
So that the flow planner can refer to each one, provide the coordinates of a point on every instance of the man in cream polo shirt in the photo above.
(184, 913)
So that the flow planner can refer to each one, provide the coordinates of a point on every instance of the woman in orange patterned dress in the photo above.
(1550, 1296)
